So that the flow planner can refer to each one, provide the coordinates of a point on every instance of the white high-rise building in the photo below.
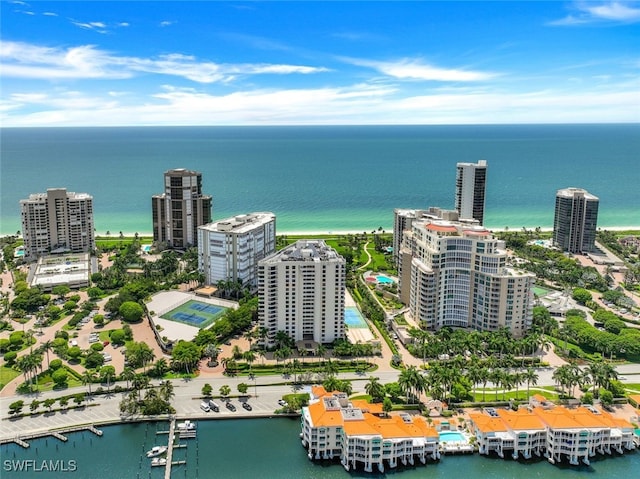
(56, 222)
(301, 290)
(229, 249)
(457, 276)
(471, 182)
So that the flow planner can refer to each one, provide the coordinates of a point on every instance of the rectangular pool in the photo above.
(354, 319)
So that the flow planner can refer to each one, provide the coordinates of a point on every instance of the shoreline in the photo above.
(360, 231)
(147, 234)
(127, 234)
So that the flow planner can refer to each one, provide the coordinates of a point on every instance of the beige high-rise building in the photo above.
(457, 275)
(179, 211)
(230, 249)
(57, 221)
(301, 290)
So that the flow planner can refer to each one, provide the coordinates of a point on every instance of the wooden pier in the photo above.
(167, 470)
(59, 434)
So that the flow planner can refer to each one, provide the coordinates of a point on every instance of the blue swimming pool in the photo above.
(452, 436)
(353, 318)
(384, 279)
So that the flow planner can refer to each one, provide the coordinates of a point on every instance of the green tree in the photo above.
(225, 390)
(387, 406)
(131, 311)
(243, 388)
(582, 295)
(48, 403)
(60, 376)
(375, 389)
(16, 407)
(207, 390)
(185, 355)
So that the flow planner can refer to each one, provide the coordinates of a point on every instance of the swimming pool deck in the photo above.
(355, 335)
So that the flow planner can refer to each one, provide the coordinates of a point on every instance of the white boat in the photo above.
(158, 461)
(156, 451)
(187, 425)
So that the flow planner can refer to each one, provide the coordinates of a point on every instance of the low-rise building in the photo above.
(557, 432)
(355, 431)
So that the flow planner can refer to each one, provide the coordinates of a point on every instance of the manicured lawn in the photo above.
(490, 395)
(7, 375)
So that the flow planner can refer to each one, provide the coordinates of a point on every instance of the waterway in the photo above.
(255, 449)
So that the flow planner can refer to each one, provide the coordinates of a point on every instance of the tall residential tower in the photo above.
(575, 220)
(56, 222)
(179, 211)
(471, 182)
(301, 290)
(229, 249)
(457, 275)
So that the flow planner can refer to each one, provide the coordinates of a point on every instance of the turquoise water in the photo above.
(264, 448)
(326, 178)
(452, 436)
(353, 318)
(384, 279)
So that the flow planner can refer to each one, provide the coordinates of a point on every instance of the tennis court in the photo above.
(195, 313)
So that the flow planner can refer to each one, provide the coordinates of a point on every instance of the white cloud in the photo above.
(363, 103)
(24, 60)
(588, 12)
(411, 69)
(50, 14)
(166, 23)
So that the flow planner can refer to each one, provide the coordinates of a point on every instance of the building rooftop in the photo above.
(572, 191)
(306, 250)
(239, 224)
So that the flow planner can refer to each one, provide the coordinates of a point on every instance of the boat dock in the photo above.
(167, 469)
(183, 433)
(59, 434)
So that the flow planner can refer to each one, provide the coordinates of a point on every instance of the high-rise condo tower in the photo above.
(471, 182)
(179, 211)
(57, 222)
(575, 220)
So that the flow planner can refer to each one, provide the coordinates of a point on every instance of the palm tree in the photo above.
(249, 357)
(87, 378)
(411, 382)
(321, 350)
(282, 339)
(530, 377)
(45, 347)
(108, 373)
(160, 368)
(375, 389)
(128, 374)
(166, 390)
(140, 381)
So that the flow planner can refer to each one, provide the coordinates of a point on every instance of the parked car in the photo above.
(282, 402)
(231, 407)
(247, 406)
(204, 405)
(214, 406)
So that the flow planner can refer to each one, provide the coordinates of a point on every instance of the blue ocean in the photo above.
(326, 178)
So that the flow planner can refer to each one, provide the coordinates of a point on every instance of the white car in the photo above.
(282, 402)
(107, 357)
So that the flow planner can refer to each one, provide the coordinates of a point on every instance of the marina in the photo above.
(230, 449)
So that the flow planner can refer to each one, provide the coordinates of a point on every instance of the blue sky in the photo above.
(280, 63)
